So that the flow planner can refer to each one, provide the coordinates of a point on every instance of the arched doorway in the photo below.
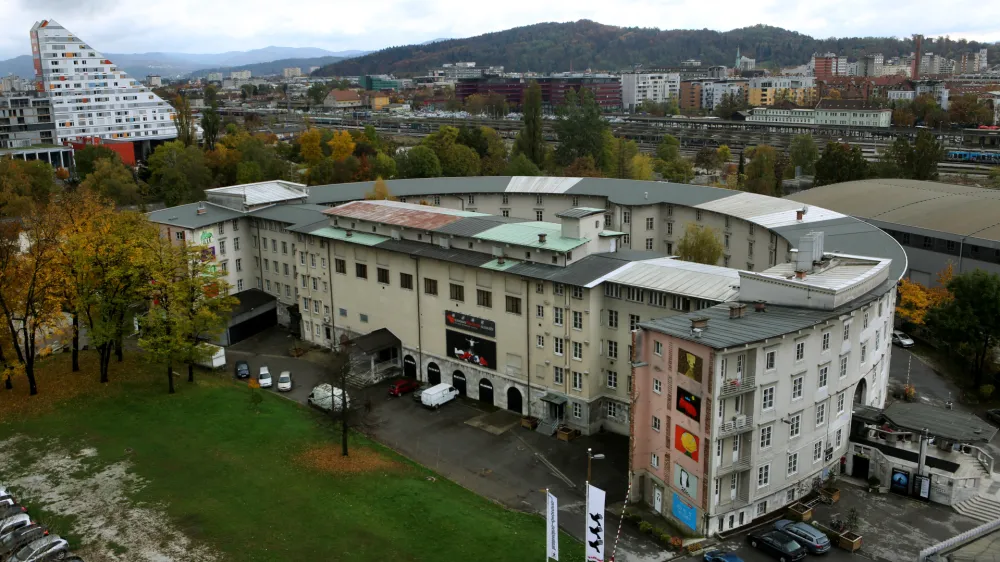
(861, 392)
(514, 400)
(409, 366)
(433, 374)
(486, 391)
(458, 381)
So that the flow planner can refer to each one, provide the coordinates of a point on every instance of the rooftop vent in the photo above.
(699, 323)
(801, 213)
(736, 310)
(201, 209)
(500, 260)
(760, 306)
(541, 237)
(348, 233)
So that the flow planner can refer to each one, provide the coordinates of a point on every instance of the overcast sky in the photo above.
(210, 26)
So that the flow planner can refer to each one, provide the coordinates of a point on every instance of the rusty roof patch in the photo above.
(394, 215)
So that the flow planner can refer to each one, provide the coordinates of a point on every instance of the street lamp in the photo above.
(591, 456)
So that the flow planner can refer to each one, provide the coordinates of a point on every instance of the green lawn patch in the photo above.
(266, 486)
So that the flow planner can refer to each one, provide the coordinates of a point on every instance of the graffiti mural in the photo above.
(689, 364)
(688, 404)
(477, 351)
(685, 481)
(686, 442)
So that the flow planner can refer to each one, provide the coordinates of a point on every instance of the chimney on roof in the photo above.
(699, 323)
(736, 310)
(348, 233)
(541, 237)
(760, 306)
(201, 209)
(500, 260)
(801, 213)
(799, 274)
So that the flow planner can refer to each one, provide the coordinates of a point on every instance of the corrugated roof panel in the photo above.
(423, 249)
(766, 211)
(410, 216)
(363, 238)
(531, 184)
(580, 212)
(471, 226)
(851, 236)
(186, 216)
(265, 192)
(526, 234)
(679, 277)
(292, 214)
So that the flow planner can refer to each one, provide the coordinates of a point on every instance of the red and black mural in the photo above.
(471, 349)
(688, 404)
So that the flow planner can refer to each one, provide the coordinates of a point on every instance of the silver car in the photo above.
(52, 547)
(901, 339)
(811, 538)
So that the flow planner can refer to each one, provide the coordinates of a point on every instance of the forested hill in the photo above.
(547, 47)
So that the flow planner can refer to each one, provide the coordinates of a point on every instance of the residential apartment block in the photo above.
(855, 113)
(654, 86)
(770, 90)
(90, 95)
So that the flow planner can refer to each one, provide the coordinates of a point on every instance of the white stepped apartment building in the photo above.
(91, 96)
(654, 86)
(522, 292)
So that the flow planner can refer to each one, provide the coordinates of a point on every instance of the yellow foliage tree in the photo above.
(309, 146)
(915, 299)
(642, 167)
(341, 145)
(380, 192)
(700, 244)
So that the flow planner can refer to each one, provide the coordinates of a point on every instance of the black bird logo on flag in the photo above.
(596, 530)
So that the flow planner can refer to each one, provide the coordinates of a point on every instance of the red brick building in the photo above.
(607, 90)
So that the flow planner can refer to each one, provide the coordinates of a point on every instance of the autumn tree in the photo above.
(348, 413)
(491, 103)
(520, 165)
(380, 191)
(86, 158)
(317, 93)
(178, 173)
(969, 320)
(678, 170)
(583, 167)
(418, 162)
(456, 159)
(729, 105)
(383, 166)
(341, 145)
(112, 180)
(642, 167)
(700, 244)
(967, 110)
(186, 133)
(531, 140)
(840, 163)
(619, 154)
(23, 185)
(203, 303)
(914, 299)
(707, 159)
(210, 124)
(803, 153)
(760, 172)
(669, 148)
(580, 129)
(309, 146)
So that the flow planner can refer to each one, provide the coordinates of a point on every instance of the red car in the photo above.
(403, 386)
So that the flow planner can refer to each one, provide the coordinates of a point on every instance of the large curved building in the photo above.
(559, 298)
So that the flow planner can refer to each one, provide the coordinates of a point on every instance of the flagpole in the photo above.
(546, 521)
(586, 510)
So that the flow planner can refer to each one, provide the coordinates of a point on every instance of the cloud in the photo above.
(197, 26)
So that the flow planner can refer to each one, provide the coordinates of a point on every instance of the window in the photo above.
(864, 325)
(612, 318)
(316, 305)
(649, 223)
(795, 425)
(577, 320)
(538, 199)
(539, 311)
(578, 351)
(625, 240)
(840, 403)
(823, 372)
(383, 276)
(657, 386)
(821, 413)
(763, 475)
(557, 345)
(558, 289)
(430, 286)
(364, 318)
(557, 316)
(540, 288)
(577, 380)
(656, 423)
(285, 265)
(697, 215)
(790, 495)
(312, 259)
(514, 305)
(817, 451)
(796, 388)
(762, 508)
(876, 339)
(538, 215)
(302, 258)
(305, 304)
(557, 375)
(612, 349)
(284, 247)
(239, 264)
(800, 351)
(437, 200)
(847, 331)
(654, 460)
(658, 348)
(539, 341)
(315, 283)
(340, 266)
(224, 266)
(626, 217)
(484, 298)
(649, 243)
(612, 379)
(826, 341)
(406, 281)
(839, 438)
(864, 352)
(670, 229)
(577, 410)
(793, 463)
(633, 322)
(767, 398)
(361, 270)
(456, 292)
(576, 292)
(765, 436)
(843, 366)
(236, 242)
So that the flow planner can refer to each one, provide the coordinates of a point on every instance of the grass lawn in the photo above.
(267, 485)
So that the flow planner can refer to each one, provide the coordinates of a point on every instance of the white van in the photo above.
(212, 356)
(438, 394)
(326, 396)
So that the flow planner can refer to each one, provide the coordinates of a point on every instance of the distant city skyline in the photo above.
(191, 26)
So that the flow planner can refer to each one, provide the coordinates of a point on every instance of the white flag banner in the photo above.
(595, 524)
(552, 526)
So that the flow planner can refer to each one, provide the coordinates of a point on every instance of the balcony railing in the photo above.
(740, 424)
(739, 465)
(733, 387)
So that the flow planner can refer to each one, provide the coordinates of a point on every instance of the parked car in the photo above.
(438, 395)
(402, 386)
(264, 378)
(776, 544)
(901, 339)
(811, 538)
(52, 547)
(326, 397)
(18, 538)
(11, 510)
(242, 370)
(7, 500)
(720, 556)
(417, 396)
(284, 381)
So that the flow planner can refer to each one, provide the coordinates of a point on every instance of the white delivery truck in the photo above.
(214, 357)
(326, 397)
(438, 394)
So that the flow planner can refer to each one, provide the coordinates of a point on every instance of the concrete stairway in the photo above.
(980, 508)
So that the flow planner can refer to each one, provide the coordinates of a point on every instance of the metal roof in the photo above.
(723, 331)
(420, 217)
(362, 238)
(955, 209)
(953, 425)
(423, 249)
(471, 226)
(292, 214)
(690, 279)
(768, 212)
(580, 212)
(249, 300)
(186, 216)
(264, 192)
(526, 234)
(341, 192)
(840, 272)
(847, 235)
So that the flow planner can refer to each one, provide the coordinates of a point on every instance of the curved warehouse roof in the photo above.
(843, 233)
(953, 209)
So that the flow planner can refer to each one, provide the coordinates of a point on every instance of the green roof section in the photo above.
(495, 265)
(362, 238)
(611, 233)
(526, 234)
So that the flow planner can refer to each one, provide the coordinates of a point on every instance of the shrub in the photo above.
(645, 527)
(676, 542)
(665, 539)
(909, 393)
(986, 391)
(874, 481)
